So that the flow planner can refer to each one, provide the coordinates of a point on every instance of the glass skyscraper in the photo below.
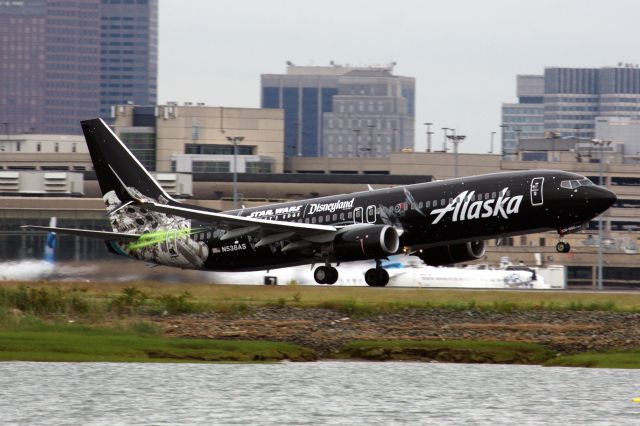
(128, 53)
(567, 101)
(310, 96)
(60, 61)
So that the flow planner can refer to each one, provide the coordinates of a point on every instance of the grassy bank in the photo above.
(448, 351)
(31, 339)
(109, 322)
(139, 343)
(98, 299)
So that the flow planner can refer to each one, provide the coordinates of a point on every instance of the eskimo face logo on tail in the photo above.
(462, 208)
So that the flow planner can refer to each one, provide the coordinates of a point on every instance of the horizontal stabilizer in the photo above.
(101, 235)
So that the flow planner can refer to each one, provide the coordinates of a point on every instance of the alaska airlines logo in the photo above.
(464, 209)
(331, 207)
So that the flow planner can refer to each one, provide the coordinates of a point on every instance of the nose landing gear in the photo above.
(377, 277)
(326, 275)
(563, 247)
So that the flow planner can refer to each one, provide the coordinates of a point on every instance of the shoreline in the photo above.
(168, 323)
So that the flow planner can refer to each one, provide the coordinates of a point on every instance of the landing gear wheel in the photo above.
(376, 277)
(321, 274)
(325, 275)
(332, 277)
(563, 247)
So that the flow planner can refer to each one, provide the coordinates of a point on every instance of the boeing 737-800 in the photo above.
(441, 222)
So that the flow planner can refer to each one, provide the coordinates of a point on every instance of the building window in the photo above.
(143, 147)
(258, 167)
(210, 167)
(211, 149)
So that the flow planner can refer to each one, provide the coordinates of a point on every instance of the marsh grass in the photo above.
(138, 342)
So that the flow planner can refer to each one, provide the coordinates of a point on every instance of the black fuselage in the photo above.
(426, 215)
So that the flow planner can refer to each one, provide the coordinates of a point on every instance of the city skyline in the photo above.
(465, 55)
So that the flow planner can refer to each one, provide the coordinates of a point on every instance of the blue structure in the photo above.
(128, 53)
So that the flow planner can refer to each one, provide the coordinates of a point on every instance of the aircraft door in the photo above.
(536, 191)
(357, 215)
(371, 214)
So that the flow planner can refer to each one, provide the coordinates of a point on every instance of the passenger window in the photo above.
(313, 220)
(493, 195)
(420, 204)
(342, 216)
(427, 204)
(306, 220)
(320, 219)
(350, 215)
(443, 202)
(335, 217)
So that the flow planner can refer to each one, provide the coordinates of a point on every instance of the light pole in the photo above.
(234, 140)
(455, 140)
(518, 131)
(429, 133)
(444, 139)
(491, 146)
(601, 144)
(502, 127)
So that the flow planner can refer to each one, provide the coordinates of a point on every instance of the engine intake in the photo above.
(366, 242)
(455, 253)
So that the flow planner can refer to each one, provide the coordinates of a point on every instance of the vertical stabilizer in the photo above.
(50, 243)
(116, 168)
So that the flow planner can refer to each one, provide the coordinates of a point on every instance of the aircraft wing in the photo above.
(102, 235)
(240, 225)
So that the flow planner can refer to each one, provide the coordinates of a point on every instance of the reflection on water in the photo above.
(314, 393)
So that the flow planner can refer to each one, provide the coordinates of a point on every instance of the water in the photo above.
(335, 393)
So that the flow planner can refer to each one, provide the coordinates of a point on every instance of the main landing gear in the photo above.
(326, 275)
(377, 277)
(563, 247)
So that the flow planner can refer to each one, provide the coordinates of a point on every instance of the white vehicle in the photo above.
(404, 271)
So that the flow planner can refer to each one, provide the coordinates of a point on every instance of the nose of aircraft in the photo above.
(602, 199)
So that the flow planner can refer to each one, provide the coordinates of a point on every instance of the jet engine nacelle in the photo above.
(366, 242)
(446, 255)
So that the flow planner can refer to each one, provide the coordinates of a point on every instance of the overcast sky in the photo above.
(464, 54)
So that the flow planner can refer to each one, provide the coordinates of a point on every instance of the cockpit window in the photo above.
(573, 184)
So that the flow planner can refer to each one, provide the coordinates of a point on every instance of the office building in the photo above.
(571, 99)
(49, 65)
(342, 110)
(523, 119)
(58, 59)
(128, 53)
(200, 139)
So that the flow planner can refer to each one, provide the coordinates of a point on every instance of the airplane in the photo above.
(441, 222)
(26, 270)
